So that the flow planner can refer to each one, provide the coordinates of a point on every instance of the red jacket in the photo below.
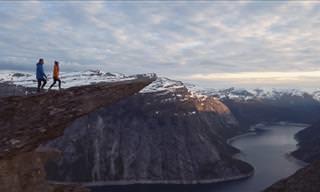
(56, 71)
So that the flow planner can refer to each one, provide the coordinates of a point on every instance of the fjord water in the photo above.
(266, 150)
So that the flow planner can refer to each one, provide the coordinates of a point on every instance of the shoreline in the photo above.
(230, 140)
(281, 123)
(155, 182)
(291, 158)
(253, 130)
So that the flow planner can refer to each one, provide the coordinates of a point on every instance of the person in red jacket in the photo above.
(56, 75)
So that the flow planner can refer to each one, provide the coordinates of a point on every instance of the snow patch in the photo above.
(163, 85)
(69, 79)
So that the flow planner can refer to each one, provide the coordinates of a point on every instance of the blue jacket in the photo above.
(40, 72)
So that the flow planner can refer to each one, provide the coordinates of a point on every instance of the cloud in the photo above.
(175, 39)
(296, 79)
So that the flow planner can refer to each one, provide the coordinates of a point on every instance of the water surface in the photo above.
(266, 150)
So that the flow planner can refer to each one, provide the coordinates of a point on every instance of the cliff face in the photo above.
(309, 143)
(28, 121)
(167, 136)
(299, 109)
(305, 180)
(252, 106)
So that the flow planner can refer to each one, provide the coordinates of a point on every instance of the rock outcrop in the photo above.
(255, 106)
(162, 135)
(309, 143)
(305, 180)
(8, 89)
(28, 121)
(297, 109)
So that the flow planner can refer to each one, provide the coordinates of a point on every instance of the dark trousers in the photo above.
(40, 84)
(54, 82)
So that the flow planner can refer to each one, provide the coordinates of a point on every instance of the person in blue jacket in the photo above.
(41, 76)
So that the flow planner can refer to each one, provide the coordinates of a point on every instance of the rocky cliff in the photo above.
(304, 180)
(165, 134)
(291, 108)
(255, 106)
(309, 143)
(28, 121)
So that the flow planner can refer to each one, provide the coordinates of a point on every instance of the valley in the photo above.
(271, 144)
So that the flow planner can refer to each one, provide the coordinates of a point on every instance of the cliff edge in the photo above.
(28, 121)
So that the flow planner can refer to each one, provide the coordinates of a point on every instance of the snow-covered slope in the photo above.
(316, 95)
(163, 84)
(69, 79)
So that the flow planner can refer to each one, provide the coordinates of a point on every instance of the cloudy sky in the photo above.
(213, 44)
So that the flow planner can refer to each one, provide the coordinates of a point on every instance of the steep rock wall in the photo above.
(161, 137)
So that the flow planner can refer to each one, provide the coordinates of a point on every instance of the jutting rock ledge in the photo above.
(28, 121)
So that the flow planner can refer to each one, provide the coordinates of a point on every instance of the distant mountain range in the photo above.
(254, 94)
